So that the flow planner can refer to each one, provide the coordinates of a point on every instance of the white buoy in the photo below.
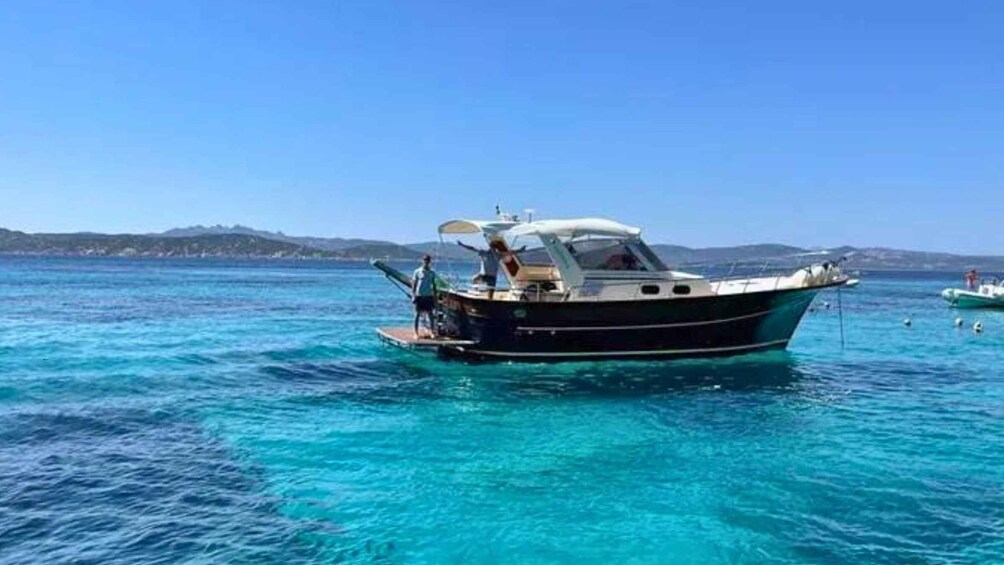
(907, 322)
(959, 322)
(978, 327)
(826, 305)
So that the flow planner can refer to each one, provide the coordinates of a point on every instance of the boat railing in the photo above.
(595, 293)
(776, 277)
(751, 280)
(757, 279)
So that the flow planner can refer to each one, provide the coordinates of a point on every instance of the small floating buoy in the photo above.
(826, 305)
(958, 322)
(978, 327)
(907, 322)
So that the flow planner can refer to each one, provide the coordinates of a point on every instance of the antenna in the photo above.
(505, 216)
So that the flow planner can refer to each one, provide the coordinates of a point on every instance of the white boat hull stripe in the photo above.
(623, 353)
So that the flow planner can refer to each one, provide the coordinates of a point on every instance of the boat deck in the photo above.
(405, 337)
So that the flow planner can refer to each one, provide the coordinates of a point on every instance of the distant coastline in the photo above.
(240, 242)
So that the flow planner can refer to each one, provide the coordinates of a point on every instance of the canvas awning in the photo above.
(573, 228)
(460, 227)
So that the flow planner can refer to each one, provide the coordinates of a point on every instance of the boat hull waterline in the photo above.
(672, 328)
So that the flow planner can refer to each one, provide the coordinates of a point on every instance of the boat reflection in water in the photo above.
(592, 289)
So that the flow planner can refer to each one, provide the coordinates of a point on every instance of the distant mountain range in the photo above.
(131, 245)
(322, 243)
(193, 242)
(858, 258)
(244, 242)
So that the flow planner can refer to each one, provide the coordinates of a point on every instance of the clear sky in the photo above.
(706, 123)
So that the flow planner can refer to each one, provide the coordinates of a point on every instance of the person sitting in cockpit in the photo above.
(622, 262)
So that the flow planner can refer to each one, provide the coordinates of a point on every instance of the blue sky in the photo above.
(809, 123)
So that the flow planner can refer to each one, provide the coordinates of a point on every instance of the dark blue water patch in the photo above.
(198, 359)
(83, 309)
(599, 380)
(133, 486)
(302, 353)
(373, 382)
(333, 373)
(846, 517)
(895, 375)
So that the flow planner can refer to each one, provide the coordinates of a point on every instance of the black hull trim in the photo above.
(710, 326)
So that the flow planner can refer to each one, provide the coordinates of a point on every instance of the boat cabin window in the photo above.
(536, 256)
(605, 254)
(532, 265)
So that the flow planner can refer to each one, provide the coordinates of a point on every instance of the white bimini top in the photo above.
(573, 228)
(458, 227)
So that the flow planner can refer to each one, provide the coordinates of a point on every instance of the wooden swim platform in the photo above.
(405, 337)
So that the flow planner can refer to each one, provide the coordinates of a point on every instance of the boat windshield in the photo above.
(613, 254)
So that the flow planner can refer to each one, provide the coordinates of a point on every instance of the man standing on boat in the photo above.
(489, 273)
(423, 294)
(490, 259)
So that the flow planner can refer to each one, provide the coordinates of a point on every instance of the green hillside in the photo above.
(128, 245)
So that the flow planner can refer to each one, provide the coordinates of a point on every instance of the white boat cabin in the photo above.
(593, 259)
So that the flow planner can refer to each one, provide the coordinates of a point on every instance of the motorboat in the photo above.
(987, 294)
(591, 288)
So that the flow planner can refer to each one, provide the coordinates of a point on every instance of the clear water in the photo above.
(156, 411)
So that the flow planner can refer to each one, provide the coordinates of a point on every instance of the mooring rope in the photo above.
(840, 311)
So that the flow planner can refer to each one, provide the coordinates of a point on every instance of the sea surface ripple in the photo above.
(157, 411)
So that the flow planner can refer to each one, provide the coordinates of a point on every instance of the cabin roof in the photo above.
(574, 227)
(474, 226)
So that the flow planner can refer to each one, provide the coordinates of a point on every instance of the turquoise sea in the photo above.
(156, 411)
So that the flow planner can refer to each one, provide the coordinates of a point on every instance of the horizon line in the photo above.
(370, 240)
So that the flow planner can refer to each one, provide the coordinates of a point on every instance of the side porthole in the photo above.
(681, 289)
(650, 289)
